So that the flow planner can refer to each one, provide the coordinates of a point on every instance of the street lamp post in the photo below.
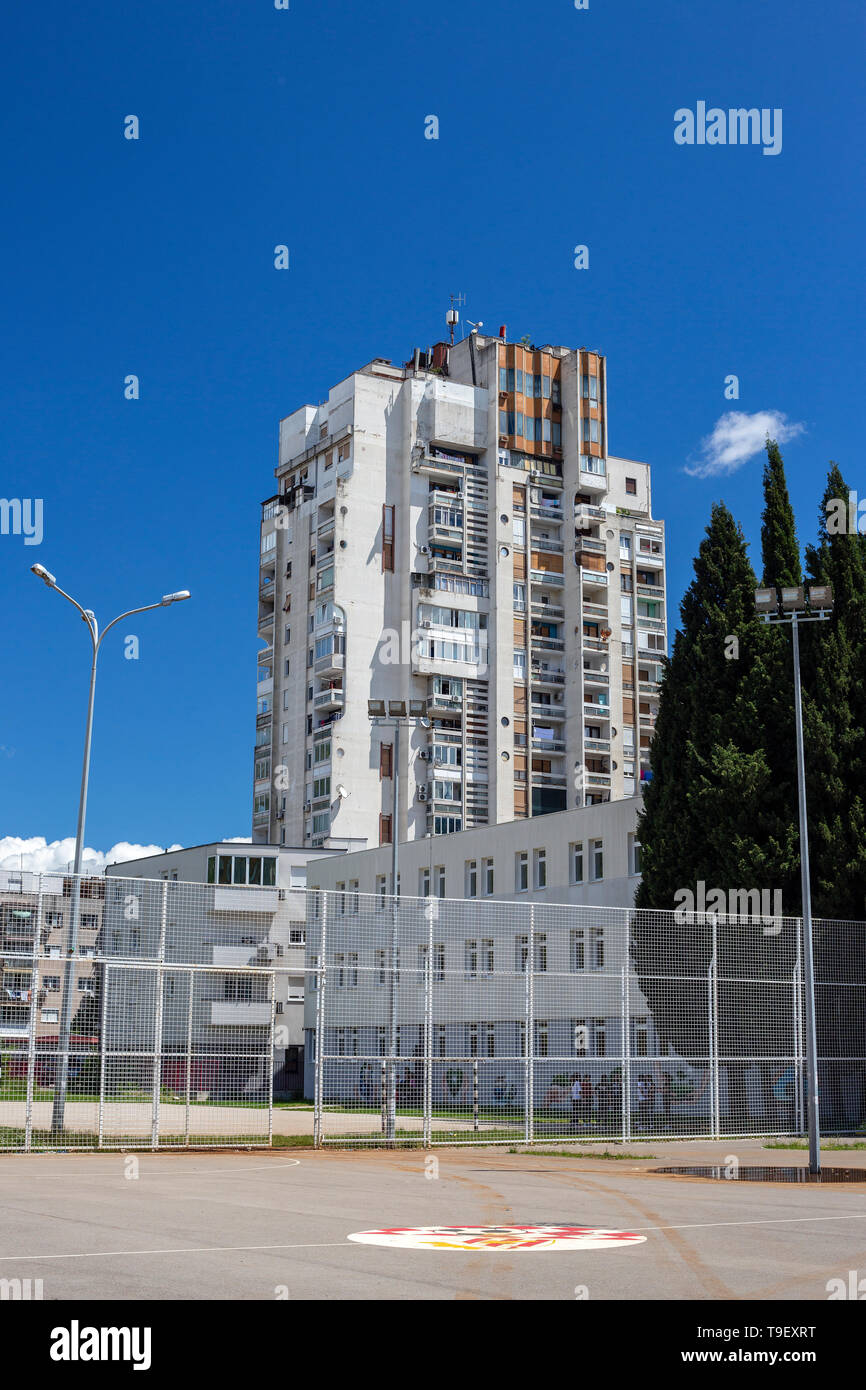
(96, 638)
(395, 717)
(795, 605)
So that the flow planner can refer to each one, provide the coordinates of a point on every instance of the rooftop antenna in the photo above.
(453, 317)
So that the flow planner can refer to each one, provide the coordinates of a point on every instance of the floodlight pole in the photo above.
(806, 894)
(795, 617)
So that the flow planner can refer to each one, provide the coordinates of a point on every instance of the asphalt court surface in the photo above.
(271, 1225)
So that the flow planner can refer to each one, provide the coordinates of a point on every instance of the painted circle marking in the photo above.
(499, 1237)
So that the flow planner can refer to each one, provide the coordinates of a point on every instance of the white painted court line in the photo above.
(187, 1173)
(350, 1245)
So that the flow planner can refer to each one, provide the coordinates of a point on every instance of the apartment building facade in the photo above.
(34, 923)
(454, 539)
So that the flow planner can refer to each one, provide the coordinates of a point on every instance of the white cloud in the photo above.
(40, 856)
(737, 437)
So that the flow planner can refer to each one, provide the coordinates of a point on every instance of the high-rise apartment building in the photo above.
(455, 533)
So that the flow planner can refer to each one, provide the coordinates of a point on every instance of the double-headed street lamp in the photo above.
(62, 1084)
(394, 714)
(796, 605)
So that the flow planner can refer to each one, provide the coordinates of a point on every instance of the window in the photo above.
(540, 951)
(521, 871)
(521, 952)
(321, 787)
(381, 888)
(424, 883)
(597, 858)
(576, 851)
(487, 876)
(555, 391)
(539, 868)
(633, 855)
(471, 878)
(386, 760)
(577, 948)
(597, 948)
(541, 1038)
(439, 872)
(556, 428)
(379, 963)
(385, 836)
(51, 983)
(353, 894)
(388, 537)
(50, 1016)
(631, 486)
(470, 959)
(487, 956)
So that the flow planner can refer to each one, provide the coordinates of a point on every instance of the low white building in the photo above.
(589, 856)
(246, 906)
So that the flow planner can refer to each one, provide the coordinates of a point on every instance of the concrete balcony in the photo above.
(540, 675)
(331, 664)
(547, 745)
(552, 712)
(651, 591)
(545, 610)
(592, 482)
(246, 1014)
(241, 898)
(645, 558)
(590, 544)
(540, 513)
(550, 578)
(593, 578)
(584, 513)
(595, 677)
(596, 711)
(328, 700)
(550, 644)
(596, 745)
(445, 704)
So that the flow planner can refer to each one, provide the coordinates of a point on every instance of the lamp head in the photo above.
(44, 575)
(175, 598)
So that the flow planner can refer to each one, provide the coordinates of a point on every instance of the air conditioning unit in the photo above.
(308, 805)
(422, 793)
(425, 755)
(426, 623)
(423, 550)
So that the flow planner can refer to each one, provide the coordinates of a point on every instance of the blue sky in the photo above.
(306, 127)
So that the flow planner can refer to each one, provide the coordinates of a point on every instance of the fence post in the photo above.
(157, 1027)
(626, 1057)
(713, 1038)
(428, 1039)
(269, 1060)
(100, 1135)
(475, 1094)
(529, 1065)
(320, 1019)
(31, 1020)
(799, 1098)
(188, 1057)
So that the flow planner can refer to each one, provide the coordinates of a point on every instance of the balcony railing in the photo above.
(593, 576)
(548, 711)
(328, 699)
(596, 711)
(550, 577)
(541, 676)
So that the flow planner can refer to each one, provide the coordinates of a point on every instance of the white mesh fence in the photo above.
(458, 1021)
(167, 1021)
(185, 1014)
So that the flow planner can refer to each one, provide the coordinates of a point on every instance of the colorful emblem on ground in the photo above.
(499, 1237)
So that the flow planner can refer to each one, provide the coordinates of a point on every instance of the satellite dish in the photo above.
(342, 793)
